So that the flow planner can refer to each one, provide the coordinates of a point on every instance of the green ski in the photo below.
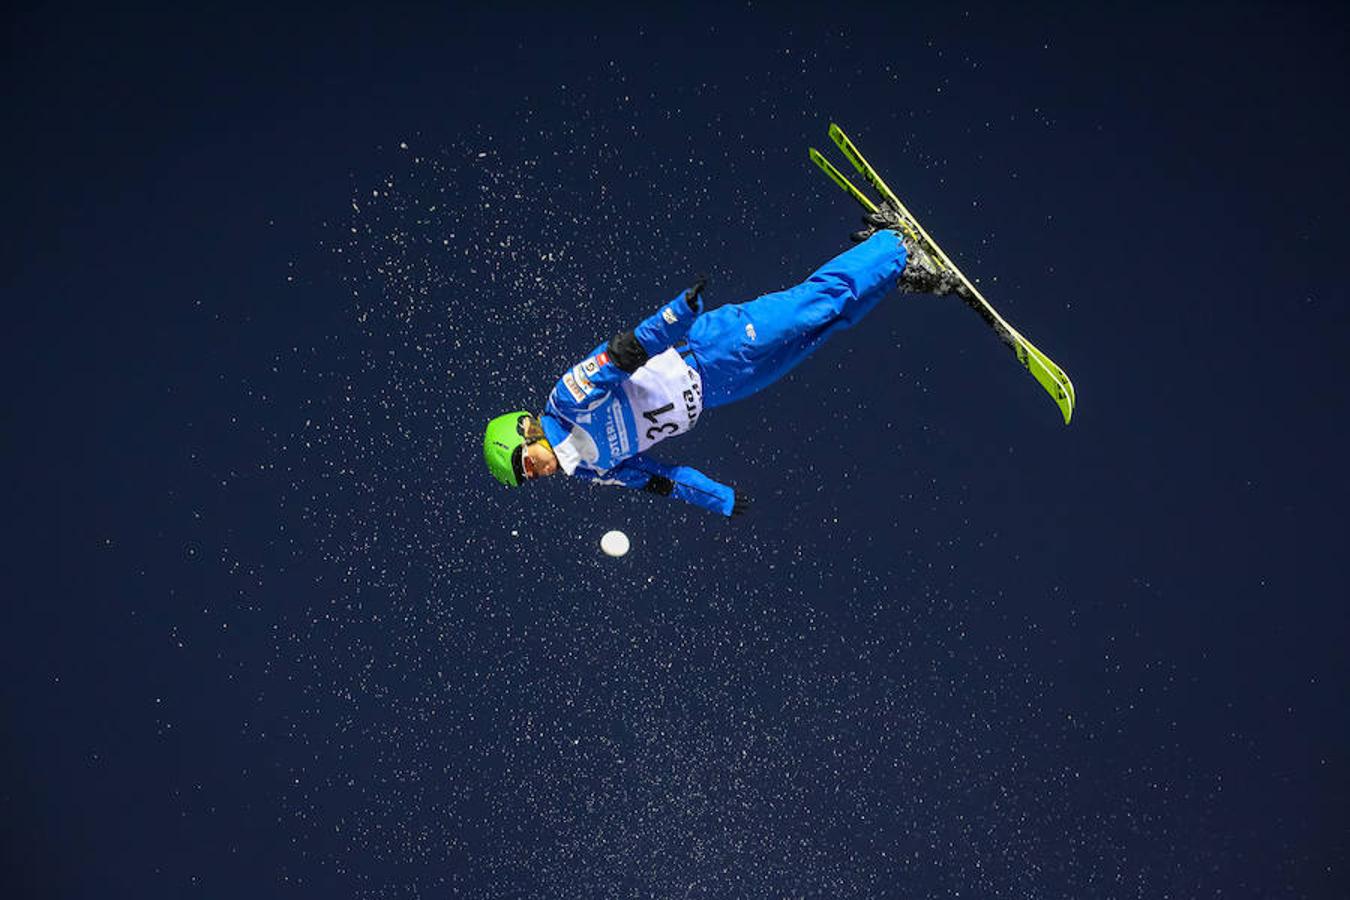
(1041, 367)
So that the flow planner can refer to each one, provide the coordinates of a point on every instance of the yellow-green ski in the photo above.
(1042, 368)
(838, 178)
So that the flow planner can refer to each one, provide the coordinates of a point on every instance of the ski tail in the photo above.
(838, 178)
(853, 155)
(1050, 376)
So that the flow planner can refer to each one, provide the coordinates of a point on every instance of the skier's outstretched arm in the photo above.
(628, 350)
(683, 482)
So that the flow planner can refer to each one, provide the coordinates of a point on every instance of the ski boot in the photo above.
(922, 274)
(925, 275)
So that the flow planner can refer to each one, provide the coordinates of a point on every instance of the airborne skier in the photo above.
(654, 381)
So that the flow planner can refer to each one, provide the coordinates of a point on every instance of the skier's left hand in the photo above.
(692, 295)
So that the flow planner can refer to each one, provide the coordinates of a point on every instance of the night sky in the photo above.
(271, 630)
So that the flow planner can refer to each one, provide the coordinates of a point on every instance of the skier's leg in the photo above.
(846, 287)
(744, 348)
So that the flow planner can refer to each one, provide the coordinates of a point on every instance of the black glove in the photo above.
(741, 504)
(691, 296)
(659, 485)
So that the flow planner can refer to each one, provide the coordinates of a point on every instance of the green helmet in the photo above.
(502, 446)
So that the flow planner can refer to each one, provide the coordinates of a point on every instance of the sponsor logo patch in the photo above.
(669, 315)
(572, 388)
(750, 330)
(590, 366)
(603, 358)
(578, 372)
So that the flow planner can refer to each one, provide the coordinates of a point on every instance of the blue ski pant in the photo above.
(743, 348)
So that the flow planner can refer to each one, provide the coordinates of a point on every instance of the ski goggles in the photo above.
(518, 457)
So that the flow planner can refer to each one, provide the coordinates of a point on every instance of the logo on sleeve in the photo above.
(602, 358)
(573, 388)
(579, 374)
(590, 366)
(669, 315)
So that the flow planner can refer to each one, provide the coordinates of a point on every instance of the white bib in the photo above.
(666, 397)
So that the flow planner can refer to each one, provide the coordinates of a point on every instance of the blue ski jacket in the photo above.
(625, 397)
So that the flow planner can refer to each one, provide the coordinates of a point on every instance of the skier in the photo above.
(654, 382)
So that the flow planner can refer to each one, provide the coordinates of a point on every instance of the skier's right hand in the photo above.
(740, 505)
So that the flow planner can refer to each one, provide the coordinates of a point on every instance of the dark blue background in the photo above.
(270, 630)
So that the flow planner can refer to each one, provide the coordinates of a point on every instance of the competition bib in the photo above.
(666, 397)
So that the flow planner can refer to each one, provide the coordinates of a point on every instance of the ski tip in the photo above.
(1065, 399)
(1050, 376)
(1070, 401)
